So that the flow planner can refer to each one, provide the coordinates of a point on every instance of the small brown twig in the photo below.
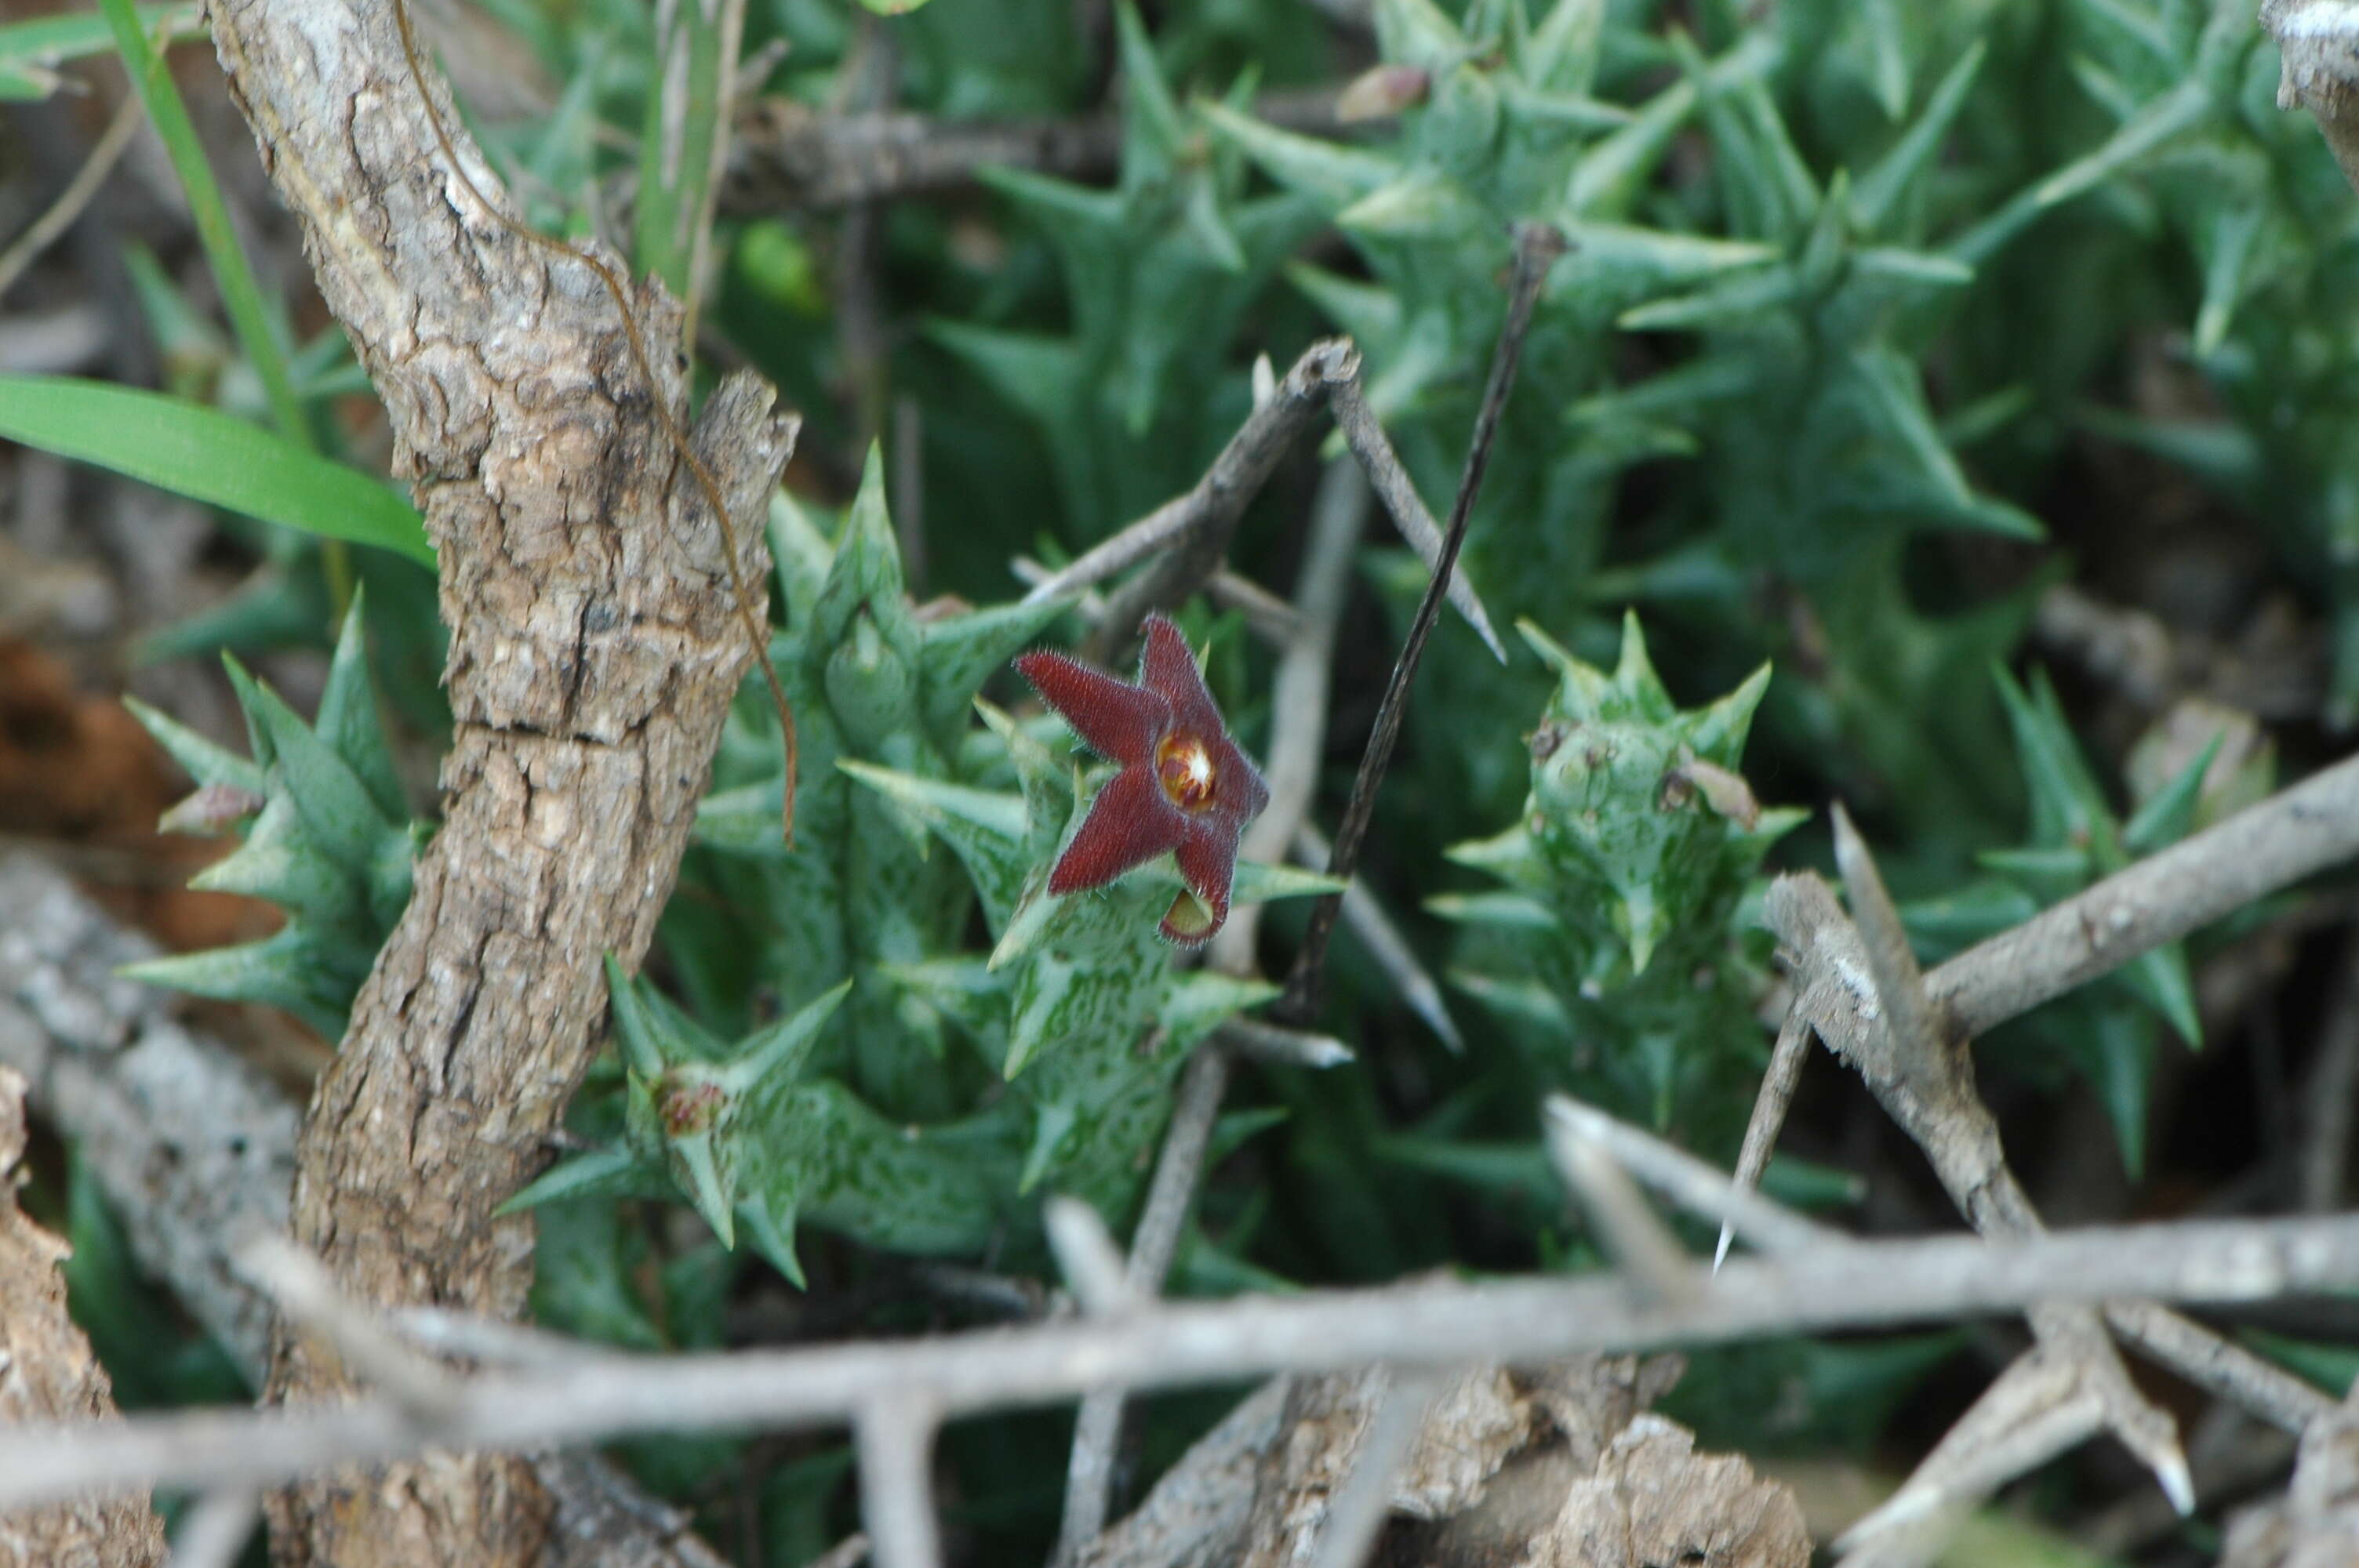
(1365, 436)
(1386, 945)
(787, 157)
(1775, 1098)
(1298, 730)
(859, 318)
(59, 217)
(1097, 1430)
(1195, 527)
(1536, 248)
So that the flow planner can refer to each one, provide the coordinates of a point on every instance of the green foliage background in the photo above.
(1853, 291)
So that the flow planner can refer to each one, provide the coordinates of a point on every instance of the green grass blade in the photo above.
(31, 52)
(240, 295)
(207, 455)
(686, 134)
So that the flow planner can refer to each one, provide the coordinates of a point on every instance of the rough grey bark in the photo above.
(592, 653)
(1558, 1466)
(194, 1149)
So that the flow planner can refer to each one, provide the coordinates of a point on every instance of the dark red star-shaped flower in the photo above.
(1184, 787)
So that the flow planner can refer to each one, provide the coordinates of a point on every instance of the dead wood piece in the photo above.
(1482, 1423)
(1197, 1513)
(1476, 1422)
(1654, 1499)
(195, 1150)
(1263, 1478)
(47, 1373)
(193, 1147)
(2316, 1523)
(2320, 40)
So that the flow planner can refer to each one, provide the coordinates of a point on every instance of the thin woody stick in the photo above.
(1536, 246)
(1429, 1324)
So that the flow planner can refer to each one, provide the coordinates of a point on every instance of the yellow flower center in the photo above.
(1185, 766)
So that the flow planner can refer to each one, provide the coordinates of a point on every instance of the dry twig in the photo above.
(1775, 1098)
(1299, 694)
(1861, 995)
(895, 1439)
(2294, 834)
(1854, 1285)
(1537, 248)
(1386, 945)
(786, 156)
(1097, 1430)
(44, 230)
(1195, 528)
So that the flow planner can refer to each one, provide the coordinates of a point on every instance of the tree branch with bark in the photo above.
(593, 652)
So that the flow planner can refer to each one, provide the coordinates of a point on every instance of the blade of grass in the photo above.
(208, 456)
(241, 295)
(31, 52)
(686, 137)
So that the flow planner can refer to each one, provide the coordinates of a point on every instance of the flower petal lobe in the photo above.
(1129, 824)
(1119, 722)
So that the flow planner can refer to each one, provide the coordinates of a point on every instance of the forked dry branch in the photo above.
(593, 1397)
(1857, 988)
(1191, 532)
